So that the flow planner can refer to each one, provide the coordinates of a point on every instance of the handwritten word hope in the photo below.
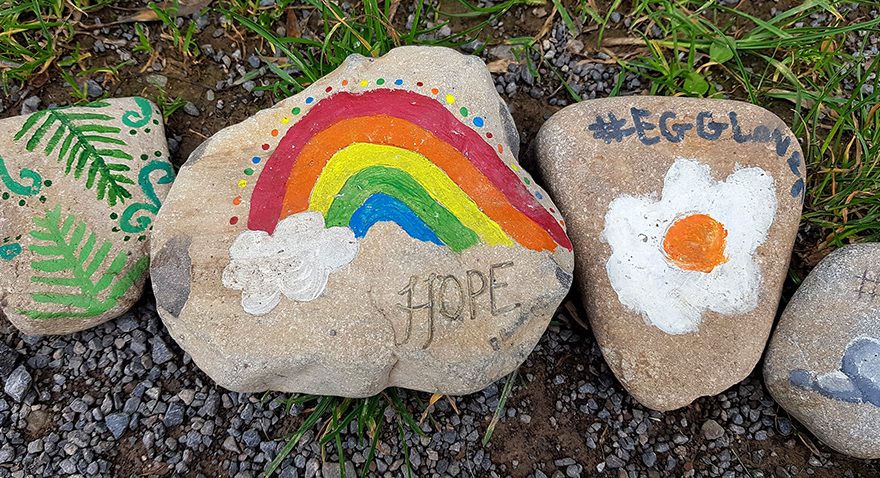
(452, 297)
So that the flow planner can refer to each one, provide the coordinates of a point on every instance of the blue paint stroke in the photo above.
(10, 251)
(857, 381)
(382, 207)
(797, 188)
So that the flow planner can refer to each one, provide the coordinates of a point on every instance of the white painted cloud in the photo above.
(295, 261)
(648, 282)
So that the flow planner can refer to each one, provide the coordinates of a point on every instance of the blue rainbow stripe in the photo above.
(382, 207)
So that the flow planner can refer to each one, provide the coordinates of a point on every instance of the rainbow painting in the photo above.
(396, 155)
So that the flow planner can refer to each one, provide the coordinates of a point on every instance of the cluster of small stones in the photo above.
(121, 399)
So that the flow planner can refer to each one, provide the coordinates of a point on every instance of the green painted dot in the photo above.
(296, 110)
(5, 196)
(249, 171)
(115, 229)
(142, 238)
(132, 132)
(47, 183)
(42, 199)
(146, 130)
(18, 237)
(380, 81)
(145, 157)
(157, 153)
(155, 121)
(126, 238)
(526, 180)
(22, 202)
(114, 216)
(463, 111)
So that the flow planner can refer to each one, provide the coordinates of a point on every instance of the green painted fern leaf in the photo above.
(86, 145)
(70, 258)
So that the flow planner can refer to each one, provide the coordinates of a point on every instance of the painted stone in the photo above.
(374, 230)
(79, 189)
(683, 213)
(823, 363)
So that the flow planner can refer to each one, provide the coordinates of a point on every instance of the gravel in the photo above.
(17, 383)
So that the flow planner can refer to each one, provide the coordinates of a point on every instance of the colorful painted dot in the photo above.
(115, 229)
(285, 120)
(114, 216)
(380, 81)
(463, 111)
(236, 201)
(155, 121)
(527, 181)
(420, 84)
(538, 195)
(146, 130)
(364, 83)
(233, 220)
(132, 132)
(274, 132)
(265, 147)
(489, 135)
(144, 157)
(344, 82)
(142, 238)
(295, 110)
(328, 89)
(514, 167)
(398, 82)
(5, 196)
(242, 183)
(126, 238)
(157, 153)
(256, 160)
(42, 199)
(249, 171)
(450, 99)
(47, 183)
(435, 91)
(309, 100)
(478, 121)
(500, 148)
(22, 202)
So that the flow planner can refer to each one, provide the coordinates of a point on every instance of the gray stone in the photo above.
(8, 359)
(174, 415)
(712, 430)
(683, 213)
(117, 423)
(161, 354)
(823, 364)
(234, 306)
(17, 383)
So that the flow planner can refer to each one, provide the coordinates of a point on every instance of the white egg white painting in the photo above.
(692, 249)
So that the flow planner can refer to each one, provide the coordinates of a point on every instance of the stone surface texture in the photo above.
(823, 363)
(79, 188)
(683, 213)
(374, 230)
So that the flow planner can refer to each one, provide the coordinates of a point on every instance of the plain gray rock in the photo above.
(18, 383)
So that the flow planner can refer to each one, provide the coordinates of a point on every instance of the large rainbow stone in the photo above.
(374, 230)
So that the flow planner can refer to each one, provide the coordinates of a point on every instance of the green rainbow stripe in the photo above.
(402, 186)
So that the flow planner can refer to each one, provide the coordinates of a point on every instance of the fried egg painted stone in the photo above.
(683, 213)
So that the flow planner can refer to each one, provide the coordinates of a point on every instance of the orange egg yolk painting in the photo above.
(696, 243)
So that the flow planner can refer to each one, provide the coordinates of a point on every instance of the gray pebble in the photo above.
(18, 383)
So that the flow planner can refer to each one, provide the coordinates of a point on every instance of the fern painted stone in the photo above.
(79, 188)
